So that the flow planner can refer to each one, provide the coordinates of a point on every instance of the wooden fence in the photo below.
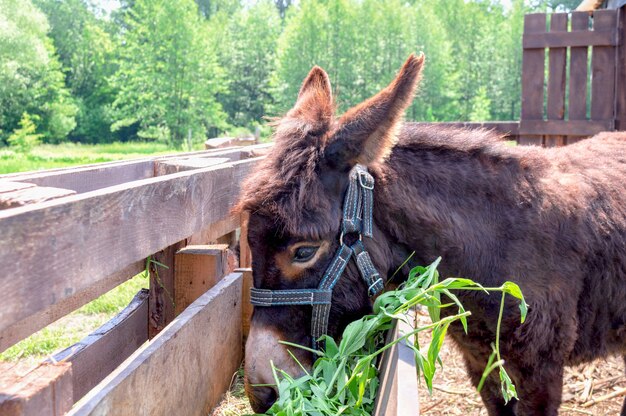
(573, 78)
(70, 235)
(581, 77)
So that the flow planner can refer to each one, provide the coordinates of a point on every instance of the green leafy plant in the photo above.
(344, 378)
(24, 138)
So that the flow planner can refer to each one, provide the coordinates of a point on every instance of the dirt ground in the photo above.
(585, 387)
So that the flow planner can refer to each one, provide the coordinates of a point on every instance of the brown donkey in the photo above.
(552, 220)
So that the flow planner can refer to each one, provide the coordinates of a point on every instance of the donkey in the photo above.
(551, 220)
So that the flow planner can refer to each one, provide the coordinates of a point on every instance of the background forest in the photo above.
(158, 70)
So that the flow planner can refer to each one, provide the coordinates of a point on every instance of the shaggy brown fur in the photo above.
(552, 220)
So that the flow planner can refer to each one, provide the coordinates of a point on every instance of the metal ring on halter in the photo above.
(364, 177)
(341, 237)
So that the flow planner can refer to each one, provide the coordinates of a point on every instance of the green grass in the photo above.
(47, 156)
(75, 326)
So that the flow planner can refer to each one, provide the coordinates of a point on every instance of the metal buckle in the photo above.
(364, 178)
(342, 234)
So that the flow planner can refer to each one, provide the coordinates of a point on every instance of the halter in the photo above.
(357, 220)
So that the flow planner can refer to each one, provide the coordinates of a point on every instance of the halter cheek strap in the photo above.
(357, 220)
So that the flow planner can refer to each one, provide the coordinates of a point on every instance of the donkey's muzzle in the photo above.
(263, 349)
(261, 398)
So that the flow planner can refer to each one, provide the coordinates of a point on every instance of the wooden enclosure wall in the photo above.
(574, 94)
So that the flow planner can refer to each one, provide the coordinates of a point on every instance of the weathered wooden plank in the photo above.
(408, 399)
(398, 391)
(575, 38)
(55, 249)
(386, 401)
(97, 355)
(565, 127)
(101, 175)
(7, 186)
(246, 306)
(28, 195)
(198, 268)
(220, 142)
(245, 255)
(556, 78)
(578, 72)
(209, 235)
(39, 320)
(90, 177)
(168, 167)
(533, 76)
(603, 70)
(245, 262)
(620, 87)
(43, 390)
(185, 369)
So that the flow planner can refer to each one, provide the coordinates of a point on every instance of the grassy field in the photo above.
(49, 156)
(75, 326)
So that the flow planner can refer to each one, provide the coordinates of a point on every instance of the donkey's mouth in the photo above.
(261, 397)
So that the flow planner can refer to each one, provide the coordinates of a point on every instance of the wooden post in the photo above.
(603, 69)
(198, 268)
(556, 79)
(245, 262)
(44, 390)
(577, 109)
(533, 77)
(162, 303)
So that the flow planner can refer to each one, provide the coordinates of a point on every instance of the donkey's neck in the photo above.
(451, 193)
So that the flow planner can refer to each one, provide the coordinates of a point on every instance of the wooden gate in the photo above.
(576, 94)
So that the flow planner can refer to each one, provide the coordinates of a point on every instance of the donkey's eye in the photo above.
(304, 253)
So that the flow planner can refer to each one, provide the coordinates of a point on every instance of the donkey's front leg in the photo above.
(540, 391)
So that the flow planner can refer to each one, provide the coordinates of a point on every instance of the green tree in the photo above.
(24, 138)
(31, 80)
(248, 56)
(168, 73)
(86, 51)
(318, 33)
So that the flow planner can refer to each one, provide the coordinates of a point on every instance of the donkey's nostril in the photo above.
(262, 398)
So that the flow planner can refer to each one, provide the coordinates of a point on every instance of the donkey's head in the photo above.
(295, 200)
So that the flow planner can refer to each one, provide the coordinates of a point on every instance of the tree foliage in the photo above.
(31, 80)
(159, 69)
(168, 75)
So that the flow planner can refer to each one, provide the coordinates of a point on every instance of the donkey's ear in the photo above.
(315, 100)
(367, 133)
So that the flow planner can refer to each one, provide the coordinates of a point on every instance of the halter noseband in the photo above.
(356, 219)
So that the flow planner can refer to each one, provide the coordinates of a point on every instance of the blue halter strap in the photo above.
(356, 220)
